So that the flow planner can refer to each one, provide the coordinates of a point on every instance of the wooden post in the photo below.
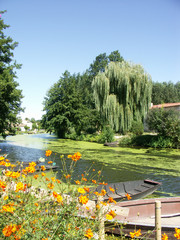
(158, 219)
(101, 219)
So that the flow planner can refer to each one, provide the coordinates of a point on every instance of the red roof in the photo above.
(164, 105)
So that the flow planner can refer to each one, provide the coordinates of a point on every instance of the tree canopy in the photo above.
(10, 95)
(166, 92)
(122, 94)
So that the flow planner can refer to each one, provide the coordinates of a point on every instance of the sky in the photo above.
(59, 35)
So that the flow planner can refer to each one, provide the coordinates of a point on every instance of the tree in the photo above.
(10, 95)
(166, 123)
(122, 94)
(165, 92)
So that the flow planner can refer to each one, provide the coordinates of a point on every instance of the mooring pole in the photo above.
(101, 219)
(158, 219)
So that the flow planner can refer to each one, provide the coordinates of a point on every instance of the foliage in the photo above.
(107, 135)
(166, 123)
(10, 95)
(165, 92)
(137, 128)
(122, 93)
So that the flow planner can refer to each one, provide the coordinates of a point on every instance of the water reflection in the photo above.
(117, 165)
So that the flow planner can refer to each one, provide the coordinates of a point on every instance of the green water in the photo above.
(117, 163)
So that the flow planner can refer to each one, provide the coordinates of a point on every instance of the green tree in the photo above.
(122, 94)
(10, 95)
(165, 92)
(166, 123)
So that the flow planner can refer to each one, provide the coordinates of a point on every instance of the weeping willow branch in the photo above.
(122, 94)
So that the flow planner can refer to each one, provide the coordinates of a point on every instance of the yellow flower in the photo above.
(75, 157)
(103, 192)
(89, 233)
(2, 185)
(136, 233)
(68, 176)
(20, 186)
(177, 234)
(81, 190)
(53, 179)
(111, 200)
(32, 164)
(6, 197)
(43, 174)
(110, 215)
(8, 208)
(83, 199)
(59, 198)
(36, 176)
(111, 189)
(55, 194)
(36, 204)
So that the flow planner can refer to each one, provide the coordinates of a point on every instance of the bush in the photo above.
(27, 212)
(107, 135)
(137, 128)
(166, 123)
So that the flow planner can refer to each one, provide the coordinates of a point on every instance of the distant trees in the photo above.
(10, 95)
(165, 92)
(122, 94)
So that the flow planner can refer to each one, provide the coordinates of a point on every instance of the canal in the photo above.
(117, 163)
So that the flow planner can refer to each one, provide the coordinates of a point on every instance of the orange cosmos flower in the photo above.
(36, 176)
(43, 168)
(94, 181)
(111, 200)
(50, 185)
(55, 194)
(86, 189)
(32, 164)
(8, 208)
(103, 192)
(68, 176)
(89, 233)
(111, 189)
(58, 181)
(50, 162)
(48, 153)
(137, 234)
(75, 157)
(110, 215)
(36, 204)
(177, 234)
(84, 179)
(53, 179)
(47, 179)
(103, 183)
(20, 186)
(83, 199)
(9, 229)
(77, 182)
(128, 196)
(31, 169)
(2, 185)
(43, 174)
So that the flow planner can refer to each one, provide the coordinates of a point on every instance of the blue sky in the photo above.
(60, 35)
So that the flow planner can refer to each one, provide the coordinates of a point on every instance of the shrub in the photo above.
(137, 128)
(107, 135)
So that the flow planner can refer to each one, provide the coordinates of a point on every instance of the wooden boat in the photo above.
(141, 215)
(136, 189)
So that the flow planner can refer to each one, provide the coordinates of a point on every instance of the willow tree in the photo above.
(122, 94)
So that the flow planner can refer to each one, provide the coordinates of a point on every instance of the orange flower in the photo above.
(137, 234)
(103, 183)
(94, 181)
(68, 176)
(103, 192)
(53, 179)
(15, 174)
(177, 234)
(59, 198)
(83, 199)
(50, 162)
(36, 204)
(20, 186)
(110, 215)
(32, 164)
(8, 208)
(9, 229)
(111, 200)
(75, 157)
(55, 194)
(43, 174)
(77, 182)
(111, 189)
(43, 168)
(2, 185)
(86, 189)
(128, 196)
(36, 176)
(84, 179)
(50, 185)
(58, 181)
(89, 233)
(48, 153)
(47, 179)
